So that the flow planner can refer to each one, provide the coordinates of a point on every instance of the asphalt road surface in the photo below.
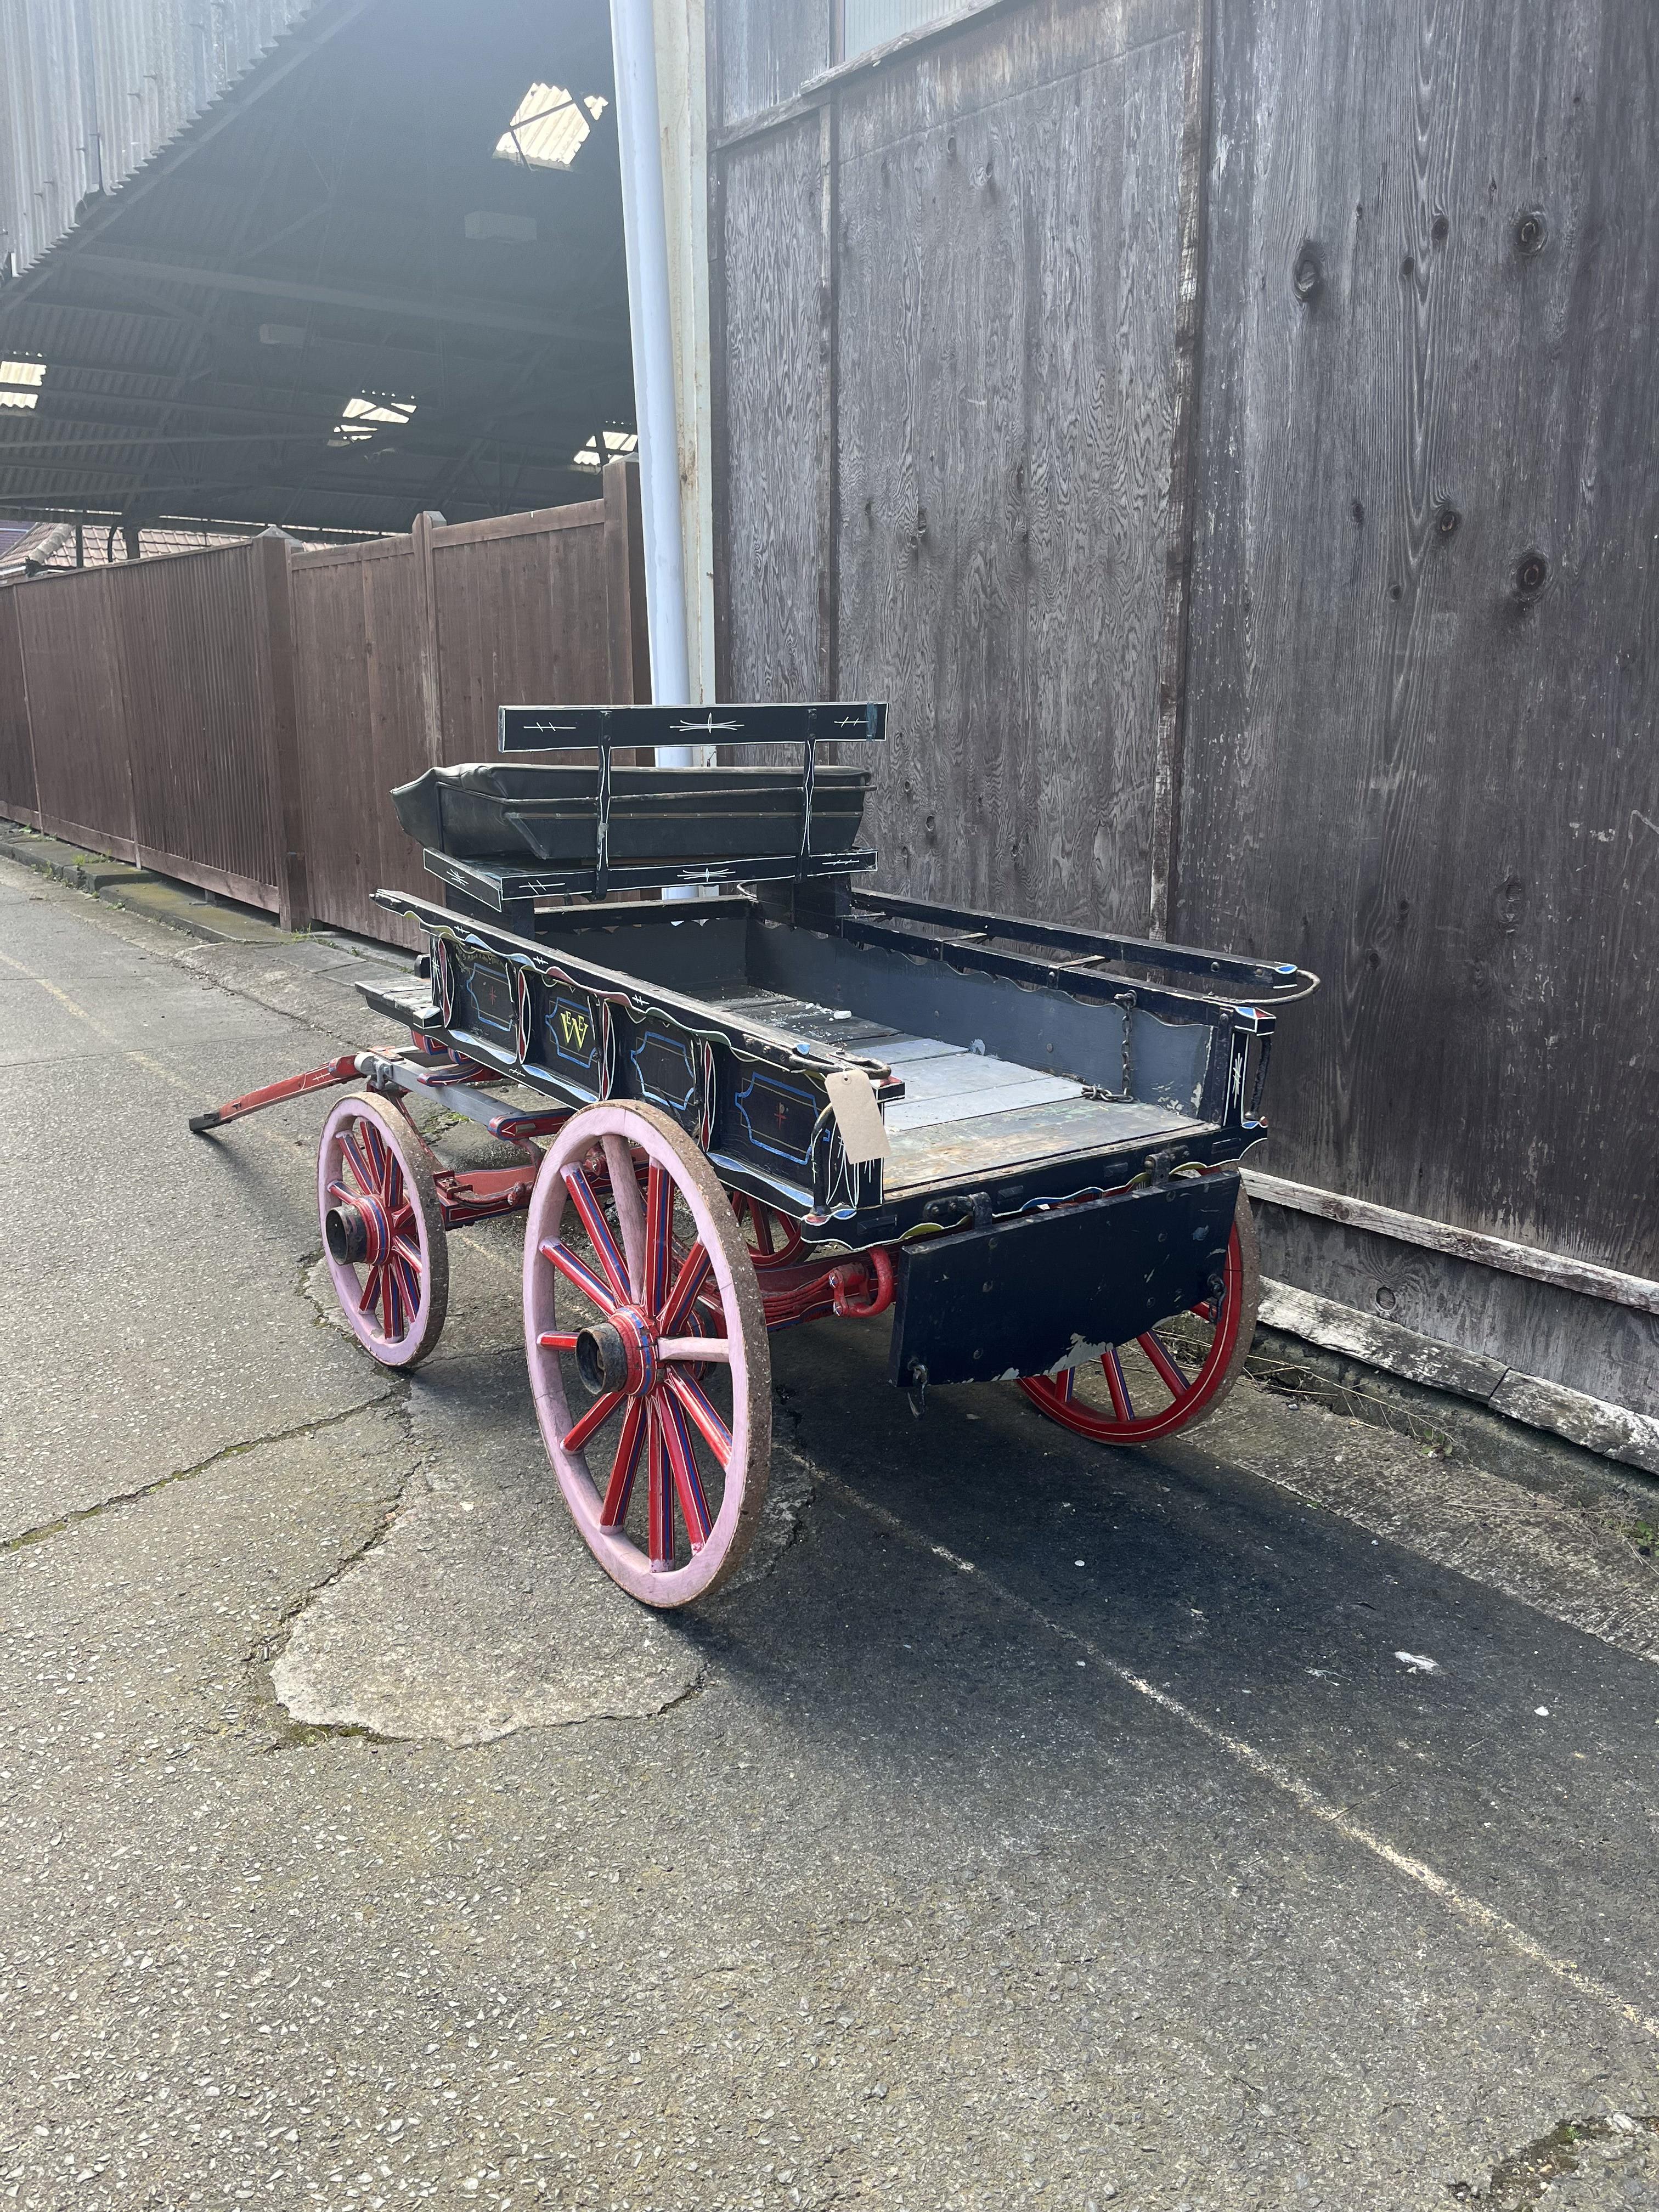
(1267, 1819)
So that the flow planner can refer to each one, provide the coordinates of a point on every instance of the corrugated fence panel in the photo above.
(17, 796)
(196, 693)
(357, 638)
(72, 658)
(522, 617)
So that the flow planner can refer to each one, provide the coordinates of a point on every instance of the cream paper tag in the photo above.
(858, 1117)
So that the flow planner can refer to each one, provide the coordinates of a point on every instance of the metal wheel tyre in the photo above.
(1157, 1385)
(647, 1351)
(383, 1233)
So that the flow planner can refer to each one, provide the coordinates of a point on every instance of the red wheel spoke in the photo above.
(599, 1232)
(557, 1339)
(371, 1288)
(341, 1194)
(711, 1428)
(408, 1289)
(661, 1502)
(353, 1150)
(582, 1276)
(623, 1468)
(694, 1271)
(694, 1506)
(659, 1226)
(593, 1420)
(1122, 1404)
(1166, 1367)
(408, 1252)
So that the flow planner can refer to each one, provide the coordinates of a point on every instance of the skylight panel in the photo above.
(616, 442)
(20, 382)
(367, 415)
(550, 127)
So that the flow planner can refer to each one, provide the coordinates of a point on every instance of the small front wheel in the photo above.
(1173, 1373)
(383, 1232)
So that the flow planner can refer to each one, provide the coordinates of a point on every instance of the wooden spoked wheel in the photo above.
(773, 1240)
(383, 1233)
(647, 1354)
(1172, 1375)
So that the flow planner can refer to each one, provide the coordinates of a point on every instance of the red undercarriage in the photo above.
(853, 1286)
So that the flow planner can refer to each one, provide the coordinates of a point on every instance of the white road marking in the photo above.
(1473, 1911)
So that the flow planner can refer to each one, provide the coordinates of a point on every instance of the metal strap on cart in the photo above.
(603, 729)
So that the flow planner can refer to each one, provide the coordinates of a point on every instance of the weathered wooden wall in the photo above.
(1422, 682)
(948, 322)
(1406, 731)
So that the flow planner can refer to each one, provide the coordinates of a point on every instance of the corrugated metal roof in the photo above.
(93, 92)
(311, 236)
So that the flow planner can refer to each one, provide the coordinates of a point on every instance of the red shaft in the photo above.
(343, 1070)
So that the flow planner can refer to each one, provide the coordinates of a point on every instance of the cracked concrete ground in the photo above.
(1032, 1826)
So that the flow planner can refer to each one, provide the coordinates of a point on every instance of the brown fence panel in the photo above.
(72, 661)
(239, 718)
(197, 699)
(358, 652)
(405, 649)
(17, 794)
(521, 608)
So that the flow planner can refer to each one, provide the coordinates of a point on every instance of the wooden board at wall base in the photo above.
(1593, 1424)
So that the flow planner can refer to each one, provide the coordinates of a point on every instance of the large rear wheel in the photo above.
(647, 1352)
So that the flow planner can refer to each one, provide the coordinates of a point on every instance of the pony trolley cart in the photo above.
(783, 1099)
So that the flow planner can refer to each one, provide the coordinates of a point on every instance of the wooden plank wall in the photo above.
(1407, 716)
(948, 307)
(1423, 676)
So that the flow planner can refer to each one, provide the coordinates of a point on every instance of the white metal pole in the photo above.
(640, 140)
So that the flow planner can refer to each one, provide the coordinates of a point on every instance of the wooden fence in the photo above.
(236, 718)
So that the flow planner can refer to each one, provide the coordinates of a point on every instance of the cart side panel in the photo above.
(1166, 1062)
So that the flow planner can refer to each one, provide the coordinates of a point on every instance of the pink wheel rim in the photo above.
(668, 1313)
(391, 1299)
(1192, 1390)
